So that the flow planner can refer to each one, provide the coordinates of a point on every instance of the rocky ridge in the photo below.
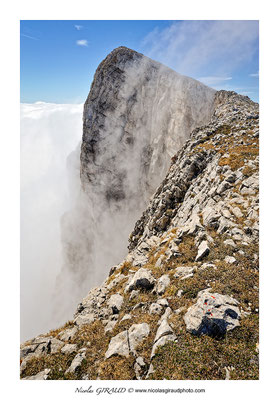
(183, 304)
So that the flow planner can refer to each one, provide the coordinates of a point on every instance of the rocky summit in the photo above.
(183, 303)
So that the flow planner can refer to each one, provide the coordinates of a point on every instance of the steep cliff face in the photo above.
(137, 115)
(183, 304)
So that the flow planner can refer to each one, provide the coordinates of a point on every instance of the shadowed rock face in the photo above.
(137, 115)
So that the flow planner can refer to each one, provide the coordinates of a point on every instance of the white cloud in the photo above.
(256, 75)
(214, 80)
(82, 42)
(78, 27)
(49, 132)
(209, 48)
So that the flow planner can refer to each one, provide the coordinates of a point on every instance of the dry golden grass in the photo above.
(237, 156)
(55, 332)
(117, 368)
(58, 363)
(205, 358)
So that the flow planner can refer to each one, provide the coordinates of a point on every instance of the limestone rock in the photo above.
(165, 316)
(183, 272)
(110, 325)
(55, 345)
(143, 279)
(76, 363)
(68, 334)
(128, 340)
(229, 242)
(203, 250)
(163, 302)
(84, 319)
(119, 345)
(155, 308)
(41, 345)
(162, 284)
(212, 314)
(164, 335)
(230, 260)
(139, 367)
(125, 317)
(137, 333)
(69, 348)
(115, 303)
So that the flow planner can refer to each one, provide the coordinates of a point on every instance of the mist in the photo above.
(49, 133)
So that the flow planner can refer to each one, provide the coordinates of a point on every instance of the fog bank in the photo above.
(49, 133)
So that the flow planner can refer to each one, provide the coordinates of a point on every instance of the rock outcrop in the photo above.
(183, 303)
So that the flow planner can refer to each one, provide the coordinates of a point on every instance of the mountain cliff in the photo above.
(137, 115)
(183, 303)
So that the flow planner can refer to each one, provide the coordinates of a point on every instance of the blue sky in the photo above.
(59, 58)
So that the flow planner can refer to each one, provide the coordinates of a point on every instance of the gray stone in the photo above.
(247, 191)
(230, 260)
(126, 316)
(162, 284)
(236, 211)
(165, 316)
(207, 265)
(119, 278)
(252, 181)
(160, 260)
(161, 342)
(228, 372)
(134, 294)
(226, 213)
(115, 303)
(76, 363)
(163, 330)
(164, 335)
(230, 177)
(203, 250)
(143, 279)
(128, 340)
(69, 348)
(85, 319)
(183, 272)
(223, 187)
(150, 371)
(118, 345)
(41, 345)
(139, 367)
(224, 225)
(213, 314)
(155, 308)
(137, 333)
(229, 242)
(55, 345)
(163, 302)
(68, 334)
(110, 325)
(210, 216)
